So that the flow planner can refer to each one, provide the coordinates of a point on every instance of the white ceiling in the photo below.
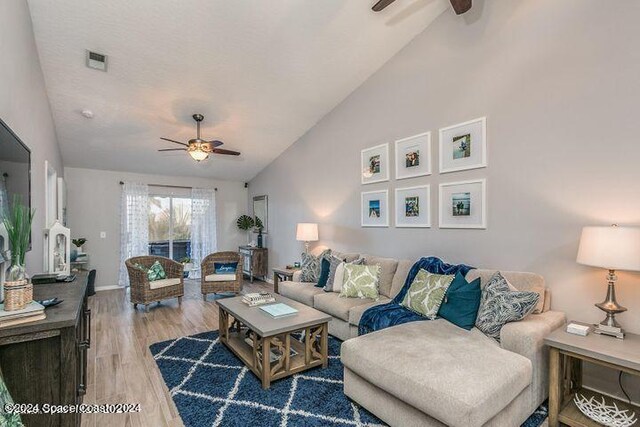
(262, 72)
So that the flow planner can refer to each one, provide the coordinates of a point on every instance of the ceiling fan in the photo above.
(459, 6)
(198, 148)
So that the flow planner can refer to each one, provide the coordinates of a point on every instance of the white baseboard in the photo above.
(108, 288)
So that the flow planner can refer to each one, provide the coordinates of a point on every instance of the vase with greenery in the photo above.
(246, 223)
(18, 224)
(79, 242)
(259, 227)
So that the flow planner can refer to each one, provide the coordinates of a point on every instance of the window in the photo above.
(170, 226)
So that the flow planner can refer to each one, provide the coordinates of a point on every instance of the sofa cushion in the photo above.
(356, 312)
(163, 283)
(332, 304)
(347, 257)
(387, 270)
(461, 378)
(399, 278)
(301, 292)
(522, 281)
(225, 277)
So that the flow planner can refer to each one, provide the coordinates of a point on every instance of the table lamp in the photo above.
(307, 232)
(613, 248)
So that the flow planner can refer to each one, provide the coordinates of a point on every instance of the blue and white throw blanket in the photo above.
(391, 314)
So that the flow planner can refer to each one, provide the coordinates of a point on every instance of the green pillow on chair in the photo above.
(426, 293)
(155, 272)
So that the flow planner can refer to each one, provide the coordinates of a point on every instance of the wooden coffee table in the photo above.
(265, 344)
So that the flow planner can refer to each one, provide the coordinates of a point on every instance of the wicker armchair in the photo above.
(207, 270)
(145, 292)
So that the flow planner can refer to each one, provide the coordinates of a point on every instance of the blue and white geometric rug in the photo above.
(212, 387)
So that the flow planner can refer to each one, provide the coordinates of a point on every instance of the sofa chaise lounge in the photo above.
(433, 373)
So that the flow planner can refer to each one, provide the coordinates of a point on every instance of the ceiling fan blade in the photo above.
(215, 143)
(174, 141)
(381, 4)
(461, 6)
(223, 151)
(173, 149)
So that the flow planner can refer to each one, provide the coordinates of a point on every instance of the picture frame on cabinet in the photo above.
(463, 204)
(374, 208)
(413, 207)
(463, 146)
(374, 164)
(413, 156)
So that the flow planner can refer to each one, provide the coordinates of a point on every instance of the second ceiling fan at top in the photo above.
(459, 6)
(198, 148)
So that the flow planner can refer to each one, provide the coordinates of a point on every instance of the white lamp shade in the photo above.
(307, 232)
(613, 248)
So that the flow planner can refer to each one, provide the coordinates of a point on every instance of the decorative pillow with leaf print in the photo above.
(156, 272)
(426, 293)
(310, 266)
(361, 281)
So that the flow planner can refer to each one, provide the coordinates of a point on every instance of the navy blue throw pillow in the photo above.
(461, 302)
(325, 265)
(225, 267)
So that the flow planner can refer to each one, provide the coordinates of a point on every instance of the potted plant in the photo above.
(18, 224)
(259, 227)
(79, 242)
(187, 263)
(246, 223)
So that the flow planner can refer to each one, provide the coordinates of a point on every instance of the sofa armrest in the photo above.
(526, 338)
(297, 275)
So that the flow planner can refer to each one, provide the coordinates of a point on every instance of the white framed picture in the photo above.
(463, 146)
(413, 156)
(375, 208)
(374, 164)
(463, 204)
(413, 207)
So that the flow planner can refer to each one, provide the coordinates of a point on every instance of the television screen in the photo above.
(15, 169)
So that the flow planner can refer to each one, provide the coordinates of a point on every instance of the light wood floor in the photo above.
(121, 368)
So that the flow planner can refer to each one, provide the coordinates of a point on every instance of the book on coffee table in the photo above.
(278, 310)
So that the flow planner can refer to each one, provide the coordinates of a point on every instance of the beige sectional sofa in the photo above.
(434, 373)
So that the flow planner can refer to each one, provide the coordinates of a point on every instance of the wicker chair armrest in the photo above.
(173, 269)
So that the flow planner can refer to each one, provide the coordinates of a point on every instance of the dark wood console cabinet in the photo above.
(46, 361)
(255, 262)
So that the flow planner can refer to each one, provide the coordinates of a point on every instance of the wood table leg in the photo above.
(276, 280)
(555, 386)
(223, 324)
(324, 345)
(266, 363)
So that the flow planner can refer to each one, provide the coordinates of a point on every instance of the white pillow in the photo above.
(338, 278)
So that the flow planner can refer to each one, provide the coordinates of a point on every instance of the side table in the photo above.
(567, 353)
(282, 273)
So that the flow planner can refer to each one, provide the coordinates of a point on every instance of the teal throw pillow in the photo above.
(461, 302)
(426, 293)
(156, 272)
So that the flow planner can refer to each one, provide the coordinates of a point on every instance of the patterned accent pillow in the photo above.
(156, 272)
(361, 281)
(310, 266)
(426, 293)
(334, 262)
(338, 278)
(500, 305)
(225, 267)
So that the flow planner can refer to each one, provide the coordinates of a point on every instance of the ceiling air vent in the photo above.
(97, 61)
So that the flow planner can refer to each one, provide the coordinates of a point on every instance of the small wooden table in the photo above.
(282, 273)
(567, 352)
(265, 343)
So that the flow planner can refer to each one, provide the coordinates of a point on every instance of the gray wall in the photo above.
(93, 205)
(24, 106)
(558, 82)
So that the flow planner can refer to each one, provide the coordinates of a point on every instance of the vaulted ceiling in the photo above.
(262, 72)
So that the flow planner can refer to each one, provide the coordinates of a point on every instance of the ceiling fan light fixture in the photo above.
(198, 154)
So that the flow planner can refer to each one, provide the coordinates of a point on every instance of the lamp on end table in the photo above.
(613, 248)
(307, 232)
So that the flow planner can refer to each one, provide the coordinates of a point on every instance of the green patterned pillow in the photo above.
(426, 293)
(360, 281)
(156, 272)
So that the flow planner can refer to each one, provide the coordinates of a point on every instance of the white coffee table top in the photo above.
(266, 325)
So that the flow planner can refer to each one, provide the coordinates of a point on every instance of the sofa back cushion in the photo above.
(522, 281)
(388, 268)
(402, 271)
(346, 257)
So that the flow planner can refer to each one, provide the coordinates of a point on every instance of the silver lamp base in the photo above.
(609, 326)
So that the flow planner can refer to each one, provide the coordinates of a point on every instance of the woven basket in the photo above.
(15, 295)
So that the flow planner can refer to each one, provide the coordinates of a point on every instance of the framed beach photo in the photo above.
(463, 204)
(375, 208)
(463, 146)
(374, 164)
(413, 156)
(413, 207)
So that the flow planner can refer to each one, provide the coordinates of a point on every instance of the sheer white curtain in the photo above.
(134, 225)
(203, 226)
